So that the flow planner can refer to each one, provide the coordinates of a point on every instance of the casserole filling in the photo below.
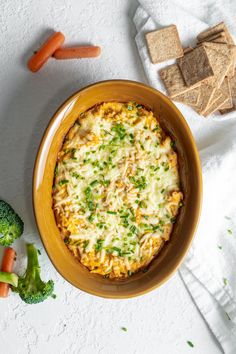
(116, 192)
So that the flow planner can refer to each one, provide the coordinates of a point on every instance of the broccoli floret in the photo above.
(9, 278)
(31, 288)
(11, 225)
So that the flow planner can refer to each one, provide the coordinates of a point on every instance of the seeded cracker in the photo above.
(225, 87)
(207, 92)
(215, 30)
(164, 44)
(195, 66)
(216, 104)
(228, 110)
(190, 98)
(220, 57)
(217, 38)
(231, 70)
(221, 38)
(173, 80)
(232, 83)
(204, 78)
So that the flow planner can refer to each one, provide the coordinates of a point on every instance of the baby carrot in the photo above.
(7, 266)
(77, 52)
(46, 51)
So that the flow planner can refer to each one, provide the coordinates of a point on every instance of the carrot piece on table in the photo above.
(46, 51)
(77, 52)
(7, 266)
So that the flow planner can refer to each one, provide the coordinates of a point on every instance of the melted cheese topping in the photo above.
(117, 189)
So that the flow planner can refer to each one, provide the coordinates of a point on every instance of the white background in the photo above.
(160, 322)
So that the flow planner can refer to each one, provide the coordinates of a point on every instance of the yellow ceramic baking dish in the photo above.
(190, 173)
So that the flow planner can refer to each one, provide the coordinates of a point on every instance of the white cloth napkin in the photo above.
(209, 268)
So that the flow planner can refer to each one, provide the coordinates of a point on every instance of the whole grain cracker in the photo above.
(187, 49)
(190, 98)
(216, 38)
(231, 70)
(195, 66)
(173, 80)
(205, 97)
(232, 83)
(228, 110)
(225, 87)
(223, 37)
(220, 57)
(216, 104)
(217, 94)
(164, 44)
(216, 30)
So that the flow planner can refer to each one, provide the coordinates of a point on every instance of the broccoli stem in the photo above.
(33, 268)
(9, 278)
(32, 256)
(31, 288)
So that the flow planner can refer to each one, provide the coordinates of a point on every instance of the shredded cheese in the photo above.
(117, 188)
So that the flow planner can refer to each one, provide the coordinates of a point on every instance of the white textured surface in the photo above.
(159, 322)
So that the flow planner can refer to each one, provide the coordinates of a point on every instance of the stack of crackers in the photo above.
(203, 77)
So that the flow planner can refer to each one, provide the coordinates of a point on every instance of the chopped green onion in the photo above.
(190, 343)
(85, 244)
(75, 175)
(133, 229)
(141, 145)
(139, 182)
(100, 225)
(63, 181)
(107, 132)
(225, 281)
(116, 249)
(119, 129)
(88, 191)
(155, 129)
(91, 218)
(106, 182)
(99, 245)
(94, 183)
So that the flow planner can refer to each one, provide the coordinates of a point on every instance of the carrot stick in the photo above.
(46, 51)
(77, 52)
(7, 266)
